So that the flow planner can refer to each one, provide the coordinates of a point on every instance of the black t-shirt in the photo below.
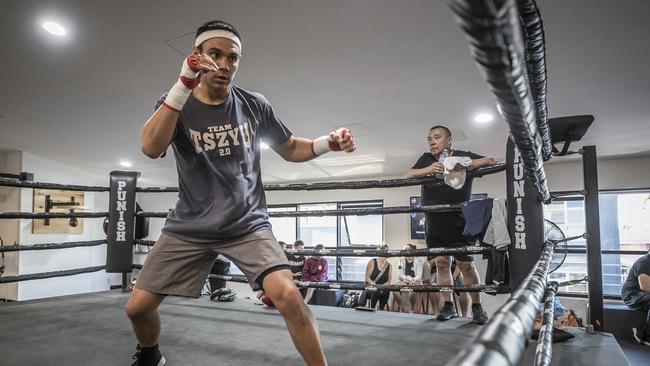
(408, 268)
(444, 194)
(631, 289)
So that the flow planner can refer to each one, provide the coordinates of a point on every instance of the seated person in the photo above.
(314, 270)
(445, 229)
(636, 295)
(409, 272)
(378, 272)
(297, 261)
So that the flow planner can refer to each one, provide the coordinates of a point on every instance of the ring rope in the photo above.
(44, 275)
(393, 288)
(346, 212)
(494, 34)
(363, 184)
(51, 215)
(544, 350)
(351, 252)
(7, 182)
(503, 339)
(47, 246)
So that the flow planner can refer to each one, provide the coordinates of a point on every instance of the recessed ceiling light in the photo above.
(126, 164)
(54, 28)
(483, 118)
(264, 145)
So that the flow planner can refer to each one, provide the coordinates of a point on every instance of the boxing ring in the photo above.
(72, 329)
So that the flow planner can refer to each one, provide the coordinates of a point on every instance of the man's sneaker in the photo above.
(148, 357)
(635, 334)
(479, 316)
(638, 337)
(448, 311)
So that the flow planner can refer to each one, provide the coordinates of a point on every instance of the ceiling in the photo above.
(389, 69)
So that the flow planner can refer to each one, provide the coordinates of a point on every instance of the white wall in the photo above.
(46, 170)
(10, 162)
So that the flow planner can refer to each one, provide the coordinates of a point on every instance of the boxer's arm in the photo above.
(298, 149)
(157, 133)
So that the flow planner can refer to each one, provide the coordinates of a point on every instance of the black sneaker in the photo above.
(448, 311)
(148, 357)
(479, 316)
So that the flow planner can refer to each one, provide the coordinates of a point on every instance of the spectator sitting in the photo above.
(314, 270)
(409, 273)
(636, 295)
(379, 272)
(297, 261)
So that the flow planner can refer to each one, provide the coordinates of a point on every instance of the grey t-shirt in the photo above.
(217, 150)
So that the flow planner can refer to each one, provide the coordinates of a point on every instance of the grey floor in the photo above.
(91, 329)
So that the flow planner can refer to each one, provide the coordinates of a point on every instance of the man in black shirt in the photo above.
(445, 229)
(297, 261)
(636, 295)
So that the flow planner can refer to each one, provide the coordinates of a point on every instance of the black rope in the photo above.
(363, 184)
(64, 187)
(494, 33)
(396, 288)
(500, 341)
(46, 246)
(345, 252)
(573, 282)
(557, 195)
(364, 252)
(50, 215)
(345, 212)
(148, 243)
(533, 32)
(544, 350)
(44, 275)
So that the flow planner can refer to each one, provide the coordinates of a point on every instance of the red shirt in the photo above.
(315, 269)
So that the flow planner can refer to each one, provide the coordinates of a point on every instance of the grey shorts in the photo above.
(178, 267)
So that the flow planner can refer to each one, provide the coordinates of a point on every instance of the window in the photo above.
(318, 230)
(359, 231)
(284, 228)
(624, 218)
(333, 232)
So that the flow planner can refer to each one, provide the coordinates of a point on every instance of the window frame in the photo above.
(339, 206)
(603, 252)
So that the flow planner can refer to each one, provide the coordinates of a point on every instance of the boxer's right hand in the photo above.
(188, 79)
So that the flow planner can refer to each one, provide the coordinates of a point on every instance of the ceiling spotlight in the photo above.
(483, 117)
(54, 28)
(264, 145)
(126, 164)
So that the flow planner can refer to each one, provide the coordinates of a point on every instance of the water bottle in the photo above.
(441, 159)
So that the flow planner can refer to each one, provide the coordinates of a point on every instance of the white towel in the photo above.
(455, 169)
(497, 233)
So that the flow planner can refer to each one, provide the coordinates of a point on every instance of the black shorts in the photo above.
(447, 235)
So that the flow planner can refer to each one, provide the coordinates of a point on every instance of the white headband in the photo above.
(217, 33)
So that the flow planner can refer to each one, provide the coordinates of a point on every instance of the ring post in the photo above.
(121, 221)
(525, 217)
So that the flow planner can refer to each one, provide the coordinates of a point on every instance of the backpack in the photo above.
(350, 300)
